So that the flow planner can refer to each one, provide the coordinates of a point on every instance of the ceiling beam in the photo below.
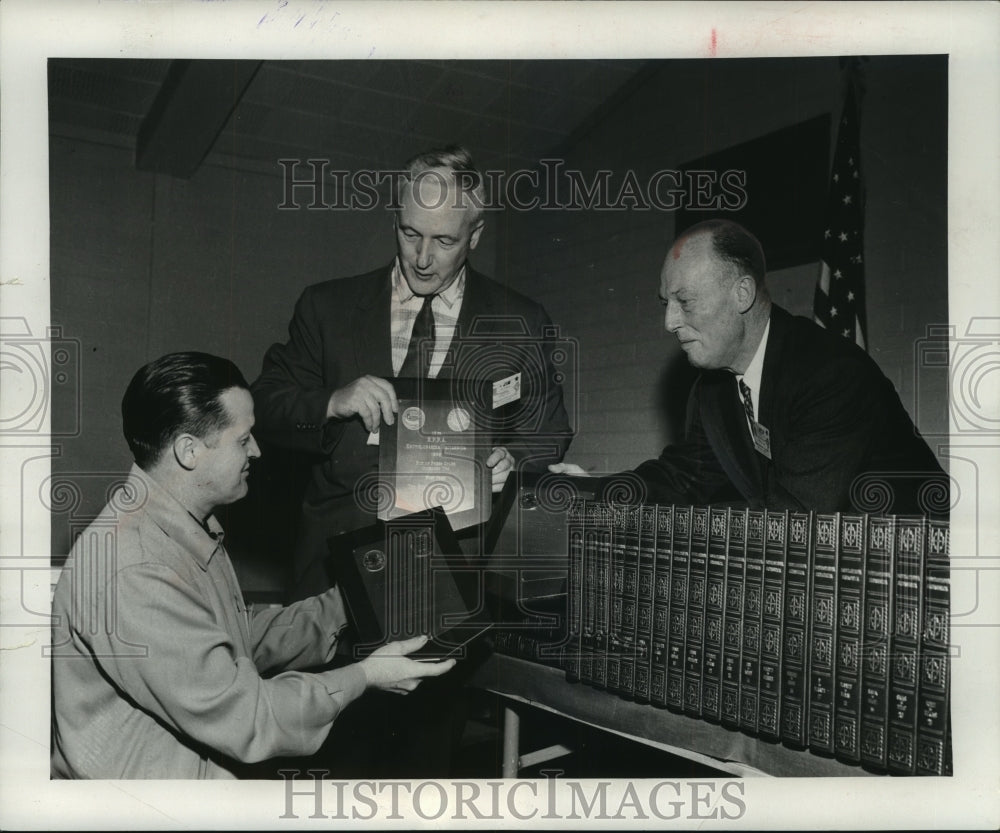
(193, 105)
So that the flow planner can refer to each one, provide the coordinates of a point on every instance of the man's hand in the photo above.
(371, 398)
(389, 669)
(568, 468)
(501, 461)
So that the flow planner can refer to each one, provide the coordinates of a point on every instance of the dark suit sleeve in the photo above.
(546, 443)
(534, 428)
(689, 471)
(293, 390)
(832, 418)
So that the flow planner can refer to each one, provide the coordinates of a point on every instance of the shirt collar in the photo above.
(146, 494)
(454, 292)
(755, 369)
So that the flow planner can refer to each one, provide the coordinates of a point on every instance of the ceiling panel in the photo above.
(377, 113)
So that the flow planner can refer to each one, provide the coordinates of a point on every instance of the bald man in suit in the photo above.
(785, 414)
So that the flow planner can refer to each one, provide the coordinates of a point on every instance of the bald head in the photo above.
(712, 286)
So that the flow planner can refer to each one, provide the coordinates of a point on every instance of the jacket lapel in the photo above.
(372, 347)
(769, 372)
(476, 304)
(725, 426)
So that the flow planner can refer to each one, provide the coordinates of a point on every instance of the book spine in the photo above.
(588, 609)
(644, 603)
(661, 605)
(501, 641)
(848, 642)
(732, 626)
(753, 594)
(875, 642)
(795, 631)
(574, 600)
(519, 644)
(823, 602)
(694, 641)
(602, 598)
(775, 554)
(715, 607)
(677, 638)
(630, 602)
(907, 604)
(933, 742)
(616, 600)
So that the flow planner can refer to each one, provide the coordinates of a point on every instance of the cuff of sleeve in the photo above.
(346, 684)
(332, 431)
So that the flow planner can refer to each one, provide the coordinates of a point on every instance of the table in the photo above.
(525, 684)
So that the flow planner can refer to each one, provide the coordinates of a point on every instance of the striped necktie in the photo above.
(747, 400)
(418, 361)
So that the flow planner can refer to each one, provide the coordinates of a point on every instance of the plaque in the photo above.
(407, 577)
(434, 454)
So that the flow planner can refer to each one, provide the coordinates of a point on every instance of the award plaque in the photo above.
(435, 453)
(407, 577)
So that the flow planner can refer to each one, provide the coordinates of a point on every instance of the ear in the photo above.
(476, 231)
(186, 451)
(746, 293)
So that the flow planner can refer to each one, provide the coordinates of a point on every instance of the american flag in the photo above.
(839, 300)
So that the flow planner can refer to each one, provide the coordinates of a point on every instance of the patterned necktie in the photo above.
(418, 361)
(747, 400)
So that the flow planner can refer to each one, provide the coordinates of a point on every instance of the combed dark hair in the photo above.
(458, 160)
(176, 394)
(733, 244)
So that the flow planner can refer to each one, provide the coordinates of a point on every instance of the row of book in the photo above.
(825, 632)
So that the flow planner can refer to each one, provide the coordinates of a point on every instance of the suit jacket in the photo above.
(840, 437)
(341, 331)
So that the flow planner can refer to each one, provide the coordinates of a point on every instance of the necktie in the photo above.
(418, 361)
(747, 400)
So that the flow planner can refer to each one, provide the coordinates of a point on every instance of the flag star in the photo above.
(836, 177)
(850, 296)
(826, 234)
(837, 274)
(855, 174)
(842, 237)
(833, 312)
(846, 334)
(850, 161)
(847, 199)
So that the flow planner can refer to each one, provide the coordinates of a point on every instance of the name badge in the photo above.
(506, 390)
(761, 439)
